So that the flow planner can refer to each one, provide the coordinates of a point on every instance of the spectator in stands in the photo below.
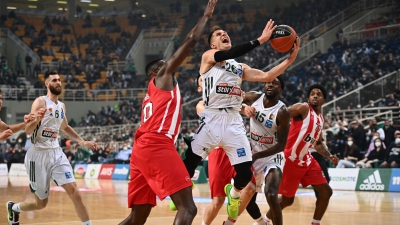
(389, 130)
(182, 149)
(357, 133)
(70, 156)
(28, 64)
(373, 127)
(81, 155)
(351, 155)
(392, 159)
(376, 155)
(392, 101)
(12, 156)
(124, 154)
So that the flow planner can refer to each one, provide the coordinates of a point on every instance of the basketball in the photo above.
(282, 39)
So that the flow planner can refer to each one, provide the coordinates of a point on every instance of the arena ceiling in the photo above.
(101, 5)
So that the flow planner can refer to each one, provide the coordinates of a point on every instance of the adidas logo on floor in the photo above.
(373, 183)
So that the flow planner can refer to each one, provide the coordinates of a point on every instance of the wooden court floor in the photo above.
(107, 204)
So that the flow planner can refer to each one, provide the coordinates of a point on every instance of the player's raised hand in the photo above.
(89, 144)
(267, 32)
(40, 113)
(295, 50)
(210, 8)
(6, 134)
(249, 111)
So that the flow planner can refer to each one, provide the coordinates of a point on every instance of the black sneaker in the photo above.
(12, 216)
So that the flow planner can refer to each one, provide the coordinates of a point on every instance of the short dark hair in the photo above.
(149, 66)
(48, 73)
(282, 82)
(318, 86)
(213, 29)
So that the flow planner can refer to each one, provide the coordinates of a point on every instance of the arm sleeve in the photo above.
(236, 51)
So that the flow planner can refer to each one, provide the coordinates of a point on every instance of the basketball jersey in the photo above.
(221, 86)
(46, 132)
(263, 126)
(161, 112)
(303, 135)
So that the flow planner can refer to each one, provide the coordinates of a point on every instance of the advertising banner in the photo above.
(80, 171)
(121, 172)
(92, 171)
(106, 171)
(373, 180)
(343, 179)
(395, 180)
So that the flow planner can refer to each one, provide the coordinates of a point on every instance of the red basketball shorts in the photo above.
(220, 172)
(156, 170)
(293, 175)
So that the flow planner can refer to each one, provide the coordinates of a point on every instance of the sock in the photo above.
(316, 222)
(16, 207)
(87, 223)
(234, 193)
(229, 221)
(260, 221)
(202, 223)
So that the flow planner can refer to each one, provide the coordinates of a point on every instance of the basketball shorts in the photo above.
(263, 166)
(43, 164)
(156, 170)
(304, 175)
(220, 172)
(223, 128)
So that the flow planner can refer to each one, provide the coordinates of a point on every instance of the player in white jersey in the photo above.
(45, 158)
(222, 124)
(269, 127)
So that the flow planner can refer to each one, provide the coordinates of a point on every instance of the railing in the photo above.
(374, 90)
(5, 32)
(117, 66)
(113, 130)
(31, 94)
(47, 66)
(360, 23)
(374, 33)
(135, 47)
(160, 33)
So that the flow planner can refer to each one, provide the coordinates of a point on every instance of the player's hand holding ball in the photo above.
(267, 32)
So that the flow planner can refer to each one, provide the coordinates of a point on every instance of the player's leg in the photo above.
(187, 210)
(321, 162)
(220, 173)
(315, 177)
(246, 196)
(272, 182)
(138, 216)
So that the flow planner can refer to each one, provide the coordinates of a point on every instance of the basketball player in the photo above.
(45, 158)
(8, 130)
(156, 167)
(300, 166)
(222, 124)
(220, 173)
(269, 127)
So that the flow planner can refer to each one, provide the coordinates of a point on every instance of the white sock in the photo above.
(229, 222)
(202, 223)
(316, 221)
(87, 223)
(234, 193)
(16, 207)
(260, 221)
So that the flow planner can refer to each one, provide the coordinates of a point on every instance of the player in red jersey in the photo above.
(300, 166)
(156, 168)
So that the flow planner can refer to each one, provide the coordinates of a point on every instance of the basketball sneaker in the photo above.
(12, 216)
(233, 203)
(172, 206)
(265, 220)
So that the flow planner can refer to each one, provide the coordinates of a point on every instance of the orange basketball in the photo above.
(283, 38)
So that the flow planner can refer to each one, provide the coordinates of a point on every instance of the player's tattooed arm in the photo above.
(283, 122)
(68, 130)
(38, 109)
(323, 150)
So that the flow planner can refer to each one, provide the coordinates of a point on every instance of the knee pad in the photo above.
(243, 175)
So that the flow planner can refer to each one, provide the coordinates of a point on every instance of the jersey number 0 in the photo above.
(147, 111)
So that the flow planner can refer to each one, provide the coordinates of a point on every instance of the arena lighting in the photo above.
(89, 11)
(86, 1)
(62, 2)
(109, 0)
(94, 5)
(32, 0)
(32, 6)
(11, 7)
(137, 3)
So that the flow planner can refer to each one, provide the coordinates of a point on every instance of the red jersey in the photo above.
(161, 112)
(302, 136)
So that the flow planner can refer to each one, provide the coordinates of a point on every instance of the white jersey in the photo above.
(46, 132)
(263, 126)
(221, 86)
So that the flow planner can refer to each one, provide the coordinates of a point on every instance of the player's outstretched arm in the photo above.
(38, 109)
(283, 122)
(256, 75)
(323, 150)
(172, 64)
(248, 99)
(214, 55)
(68, 130)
